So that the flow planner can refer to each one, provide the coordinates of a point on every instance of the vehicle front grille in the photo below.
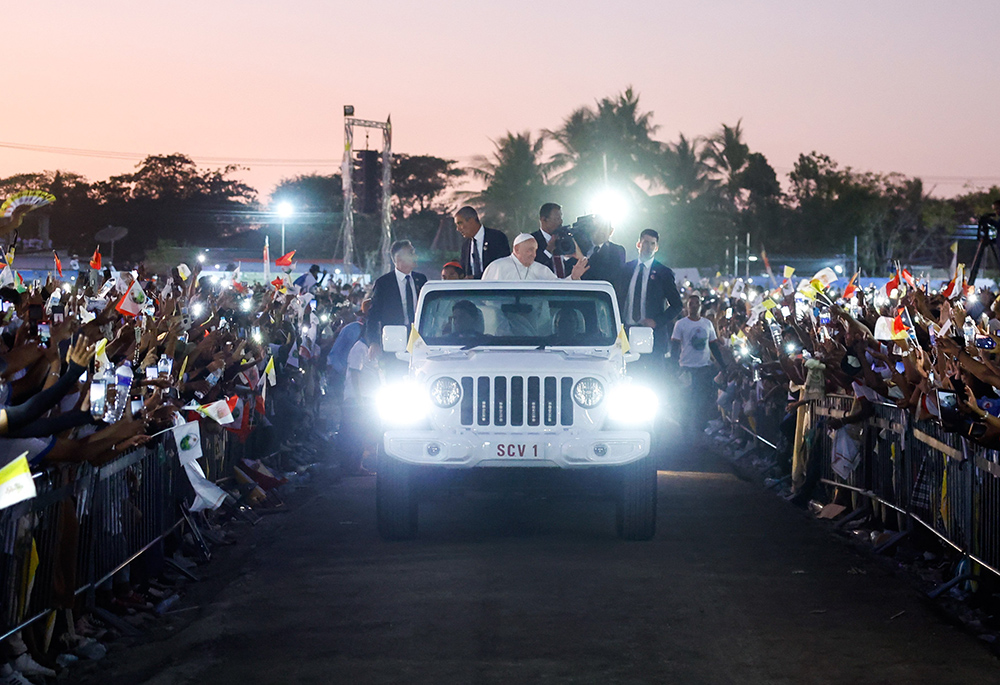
(517, 401)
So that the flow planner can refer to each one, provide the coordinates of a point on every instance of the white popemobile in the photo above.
(516, 374)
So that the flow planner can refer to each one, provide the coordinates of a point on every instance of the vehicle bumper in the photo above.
(607, 448)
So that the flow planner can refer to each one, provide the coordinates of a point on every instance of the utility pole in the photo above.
(748, 256)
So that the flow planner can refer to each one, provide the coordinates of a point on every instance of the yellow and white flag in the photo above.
(414, 341)
(623, 340)
(16, 484)
(101, 356)
(269, 372)
(218, 411)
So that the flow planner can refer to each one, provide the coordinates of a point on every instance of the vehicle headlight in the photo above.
(446, 392)
(402, 403)
(588, 392)
(632, 403)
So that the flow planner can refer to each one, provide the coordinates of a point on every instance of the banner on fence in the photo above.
(846, 453)
(16, 484)
(207, 495)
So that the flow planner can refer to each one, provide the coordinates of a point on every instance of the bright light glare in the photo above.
(324, 317)
(611, 206)
(257, 336)
(197, 309)
(246, 304)
(790, 348)
(632, 403)
(972, 298)
(752, 258)
(67, 287)
(285, 209)
(201, 259)
(839, 269)
(402, 403)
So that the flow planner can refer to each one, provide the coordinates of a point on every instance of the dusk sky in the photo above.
(878, 85)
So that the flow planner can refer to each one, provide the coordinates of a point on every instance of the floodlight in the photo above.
(611, 206)
(285, 209)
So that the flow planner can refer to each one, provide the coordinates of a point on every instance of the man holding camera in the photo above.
(550, 219)
(482, 245)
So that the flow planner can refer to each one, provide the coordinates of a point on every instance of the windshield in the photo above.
(518, 317)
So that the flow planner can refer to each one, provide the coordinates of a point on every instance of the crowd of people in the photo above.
(184, 343)
(95, 366)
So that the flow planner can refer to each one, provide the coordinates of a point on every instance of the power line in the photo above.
(136, 156)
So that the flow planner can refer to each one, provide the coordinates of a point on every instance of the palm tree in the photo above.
(608, 145)
(684, 171)
(515, 181)
(726, 155)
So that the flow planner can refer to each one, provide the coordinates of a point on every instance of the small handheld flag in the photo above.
(623, 340)
(58, 263)
(95, 261)
(851, 288)
(285, 259)
(132, 301)
(16, 484)
(892, 284)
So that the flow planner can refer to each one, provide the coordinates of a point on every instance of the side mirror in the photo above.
(640, 339)
(394, 338)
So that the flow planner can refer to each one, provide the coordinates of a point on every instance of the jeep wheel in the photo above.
(637, 500)
(395, 499)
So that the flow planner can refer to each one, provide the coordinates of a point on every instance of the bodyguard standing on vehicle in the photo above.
(482, 245)
(607, 259)
(649, 297)
(394, 296)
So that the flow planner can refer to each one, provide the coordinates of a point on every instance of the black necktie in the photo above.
(409, 300)
(637, 295)
(477, 266)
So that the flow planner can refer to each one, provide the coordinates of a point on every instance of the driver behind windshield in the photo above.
(466, 320)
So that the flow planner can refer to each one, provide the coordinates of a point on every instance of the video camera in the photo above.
(568, 238)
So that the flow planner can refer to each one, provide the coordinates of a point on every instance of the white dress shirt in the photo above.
(510, 268)
(401, 282)
(548, 239)
(629, 304)
(478, 238)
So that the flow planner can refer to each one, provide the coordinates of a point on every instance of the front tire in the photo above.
(395, 498)
(637, 500)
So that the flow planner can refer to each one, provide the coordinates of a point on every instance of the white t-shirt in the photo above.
(359, 372)
(694, 337)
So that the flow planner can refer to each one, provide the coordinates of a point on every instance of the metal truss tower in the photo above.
(348, 225)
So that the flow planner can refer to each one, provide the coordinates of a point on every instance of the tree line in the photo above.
(701, 193)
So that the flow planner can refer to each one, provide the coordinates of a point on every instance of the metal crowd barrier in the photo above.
(87, 524)
(929, 477)
(760, 419)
